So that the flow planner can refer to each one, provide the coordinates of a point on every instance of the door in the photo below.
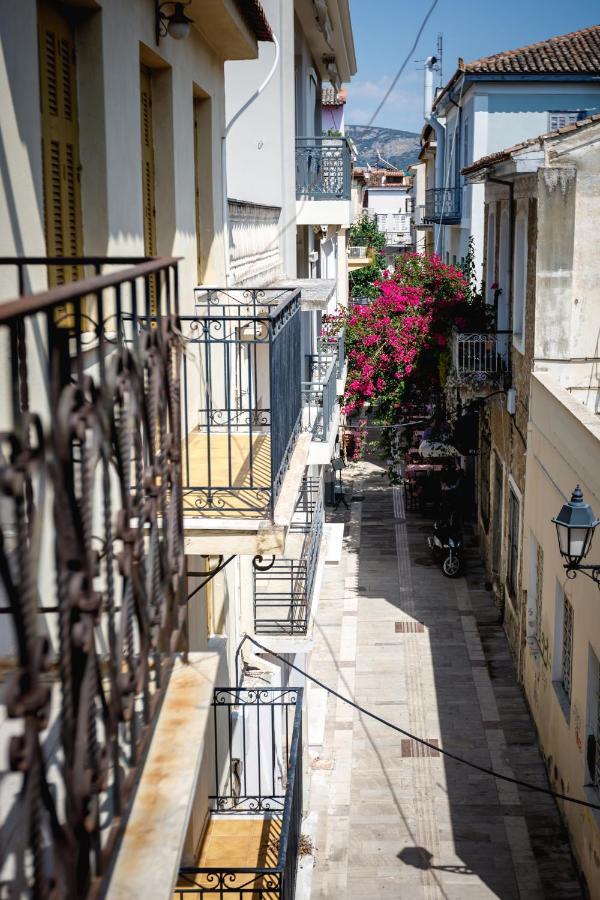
(148, 177)
(60, 141)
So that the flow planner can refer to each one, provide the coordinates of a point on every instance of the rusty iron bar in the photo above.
(103, 441)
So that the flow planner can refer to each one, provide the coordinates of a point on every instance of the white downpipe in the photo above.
(242, 109)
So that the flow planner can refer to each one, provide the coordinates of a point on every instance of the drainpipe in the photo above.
(439, 129)
(241, 110)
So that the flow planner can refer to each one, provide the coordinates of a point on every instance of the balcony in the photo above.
(420, 218)
(283, 592)
(481, 360)
(250, 845)
(91, 558)
(323, 181)
(443, 206)
(359, 257)
(242, 405)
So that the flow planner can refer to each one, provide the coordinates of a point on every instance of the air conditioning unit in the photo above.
(511, 401)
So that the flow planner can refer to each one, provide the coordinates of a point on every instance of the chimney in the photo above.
(428, 93)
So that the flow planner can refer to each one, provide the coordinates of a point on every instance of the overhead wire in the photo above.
(425, 743)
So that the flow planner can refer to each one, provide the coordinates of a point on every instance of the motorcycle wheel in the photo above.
(451, 566)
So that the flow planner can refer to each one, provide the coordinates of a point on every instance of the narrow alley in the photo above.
(389, 817)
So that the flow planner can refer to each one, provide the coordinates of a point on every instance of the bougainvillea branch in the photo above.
(400, 335)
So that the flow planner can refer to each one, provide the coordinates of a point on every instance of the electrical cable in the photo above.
(404, 64)
(414, 737)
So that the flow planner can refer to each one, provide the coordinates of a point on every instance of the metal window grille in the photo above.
(539, 578)
(513, 542)
(567, 648)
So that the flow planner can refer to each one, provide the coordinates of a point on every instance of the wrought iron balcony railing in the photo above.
(443, 206)
(334, 347)
(257, 771)
(91, 556)
(242, 399)
(319, 396)
(481, 358)
(323, 168)
(283, 593)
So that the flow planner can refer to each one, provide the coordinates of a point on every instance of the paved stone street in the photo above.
(390, 818)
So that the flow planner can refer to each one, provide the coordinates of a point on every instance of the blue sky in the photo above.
(384, 31)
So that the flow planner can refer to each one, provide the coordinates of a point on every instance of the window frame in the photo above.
(513, 542)
(519, 285)
(566, 657)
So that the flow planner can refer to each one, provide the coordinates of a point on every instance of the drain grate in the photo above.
(412, 748)
(409, 627)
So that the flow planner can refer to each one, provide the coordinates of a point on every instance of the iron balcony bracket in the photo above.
(592, 572)
(209, 574)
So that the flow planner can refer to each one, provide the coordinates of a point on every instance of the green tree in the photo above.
(365, 233)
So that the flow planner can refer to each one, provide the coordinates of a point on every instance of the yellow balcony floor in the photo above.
(232, 842)
(238, 461)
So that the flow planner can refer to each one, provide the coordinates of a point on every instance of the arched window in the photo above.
(519, 276)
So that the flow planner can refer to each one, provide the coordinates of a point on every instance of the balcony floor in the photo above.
(240, 475)
(237, 841)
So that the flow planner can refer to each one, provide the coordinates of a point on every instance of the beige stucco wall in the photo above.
(563, 450)
(109, 45)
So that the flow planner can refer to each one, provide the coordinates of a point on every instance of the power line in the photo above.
(414, 737)
(404, 64)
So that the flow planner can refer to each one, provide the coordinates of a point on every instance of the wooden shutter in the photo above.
(148, 179)
(60, 141)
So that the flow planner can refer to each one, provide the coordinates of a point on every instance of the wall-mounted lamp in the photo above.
(175, 24)
(575, 526)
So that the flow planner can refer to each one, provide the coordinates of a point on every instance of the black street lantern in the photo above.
(176, 24)
(575, 526)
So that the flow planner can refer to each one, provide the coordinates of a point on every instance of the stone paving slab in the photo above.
(391, 824)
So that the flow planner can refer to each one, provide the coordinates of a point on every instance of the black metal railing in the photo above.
(443, 205)
(481, 358)
(335, 347)
(242, 399)
(283, 593)
(319, 396)
(323, 168)
(257, 771)
(309, 496)
(91, 555)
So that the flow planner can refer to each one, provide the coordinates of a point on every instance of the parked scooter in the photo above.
(446, 545)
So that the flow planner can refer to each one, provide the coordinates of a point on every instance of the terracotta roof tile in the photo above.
(577, 52)
(331, 97)
(254, 16)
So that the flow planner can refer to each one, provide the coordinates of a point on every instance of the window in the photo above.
(60, 141)
(566, 663)
(497, 515)
(593, 721)
(520, 275)
(148, 180)
(484, 481)
(466, 159)
(513, 542)
(561, 117)
(490, 262)
(539, 590)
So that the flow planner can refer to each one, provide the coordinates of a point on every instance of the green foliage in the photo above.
(365, 233)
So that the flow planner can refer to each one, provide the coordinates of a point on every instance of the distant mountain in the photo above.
(400, 148)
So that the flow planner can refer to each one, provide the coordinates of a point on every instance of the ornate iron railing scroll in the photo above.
(91, 534)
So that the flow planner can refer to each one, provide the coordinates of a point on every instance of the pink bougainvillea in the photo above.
(415, 310)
